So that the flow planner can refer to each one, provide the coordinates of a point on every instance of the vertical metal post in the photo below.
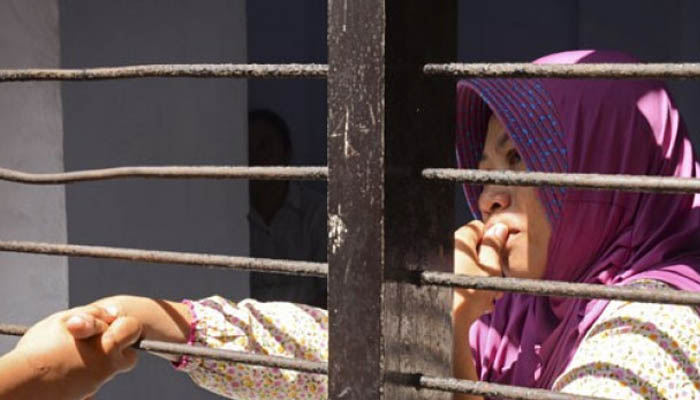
(386, 122)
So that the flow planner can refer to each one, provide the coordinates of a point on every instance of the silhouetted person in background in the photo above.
(287, 220)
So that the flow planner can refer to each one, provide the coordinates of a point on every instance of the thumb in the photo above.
(491, 249)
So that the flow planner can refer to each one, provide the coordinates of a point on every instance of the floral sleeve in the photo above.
(278, 329)
(638, 351)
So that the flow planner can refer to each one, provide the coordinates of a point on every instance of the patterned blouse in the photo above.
(634, 351)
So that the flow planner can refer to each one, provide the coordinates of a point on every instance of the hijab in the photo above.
(599, 237)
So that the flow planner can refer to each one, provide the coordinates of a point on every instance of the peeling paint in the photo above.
(348, 150)
(336, 231)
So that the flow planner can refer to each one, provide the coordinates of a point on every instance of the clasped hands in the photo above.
(478, 252)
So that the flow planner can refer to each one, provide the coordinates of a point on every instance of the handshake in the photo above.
(70, 355)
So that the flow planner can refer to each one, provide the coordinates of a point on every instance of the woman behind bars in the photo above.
(589, 347)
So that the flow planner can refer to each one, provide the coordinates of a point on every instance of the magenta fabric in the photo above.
(600, 237)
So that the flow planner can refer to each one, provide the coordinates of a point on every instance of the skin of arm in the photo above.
(162, 320)
(477, 253)
(69, 355)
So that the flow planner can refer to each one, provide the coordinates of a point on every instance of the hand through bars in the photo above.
(69, 355)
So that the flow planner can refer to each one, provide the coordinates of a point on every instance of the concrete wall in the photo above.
(31, 136)
(292, 31)
(155, 122)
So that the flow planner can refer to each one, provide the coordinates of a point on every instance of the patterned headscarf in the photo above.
(602, 237)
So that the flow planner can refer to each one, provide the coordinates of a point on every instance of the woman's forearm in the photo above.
(462, 358)
(163, 320)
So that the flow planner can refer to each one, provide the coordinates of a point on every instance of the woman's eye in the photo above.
(513, 157)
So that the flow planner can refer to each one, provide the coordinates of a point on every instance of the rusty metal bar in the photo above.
(170, 257)
(356, 57)
(13, 330)
(572, 71)
(629, 183)
(314, 367)
(167, 71)
(168, 172)
(494, 390)
(562, 289)
(380, 218)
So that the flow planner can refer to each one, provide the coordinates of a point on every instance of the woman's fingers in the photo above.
(491, 249)
(466, 242)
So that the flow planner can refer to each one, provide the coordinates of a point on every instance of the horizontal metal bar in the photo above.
(495, 390)
(572, 71)
(315, 367)
(170, 257)
(168, 172)
(167, 71)
(628, 183)
(561, 289)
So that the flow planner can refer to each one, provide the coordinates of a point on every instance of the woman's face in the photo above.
(517, 207)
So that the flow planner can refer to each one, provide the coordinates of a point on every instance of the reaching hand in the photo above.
(71, 354)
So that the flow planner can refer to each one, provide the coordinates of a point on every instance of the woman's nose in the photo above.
(493, 199)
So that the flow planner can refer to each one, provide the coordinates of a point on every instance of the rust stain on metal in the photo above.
(168, 172)
(594, 71)
(167, 71)
(494, 390)
(562, 289)
(170, 257)
(630, 183)
(314, 367)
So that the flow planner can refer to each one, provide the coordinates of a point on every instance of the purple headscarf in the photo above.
(602, 237)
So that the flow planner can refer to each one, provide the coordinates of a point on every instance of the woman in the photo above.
(613, 238)
(616, 350)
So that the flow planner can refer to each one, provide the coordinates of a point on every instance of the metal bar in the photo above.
(167, 71)
(356, 56)
(170, 257)
(628, 183)
(314, 367)
(13, 330)
(495, 390)
(167, 172)
(382, 219)
(561, 289)
(572, 71)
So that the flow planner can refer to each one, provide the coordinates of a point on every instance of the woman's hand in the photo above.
(478, 252)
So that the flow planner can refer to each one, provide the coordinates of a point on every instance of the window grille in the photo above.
(390, 138)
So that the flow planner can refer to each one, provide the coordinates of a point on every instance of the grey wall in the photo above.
(155, 122)
(291, 31)
(31, 136)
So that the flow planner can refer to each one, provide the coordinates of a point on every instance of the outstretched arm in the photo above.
(163, 320)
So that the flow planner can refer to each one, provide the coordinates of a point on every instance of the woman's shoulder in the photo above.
(638, 351)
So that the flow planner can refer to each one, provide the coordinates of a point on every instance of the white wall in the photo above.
(30, 139)
(155, 122)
